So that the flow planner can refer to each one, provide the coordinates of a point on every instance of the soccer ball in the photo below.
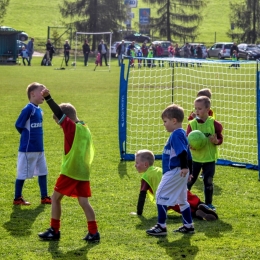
(197, 140)
(73, 63)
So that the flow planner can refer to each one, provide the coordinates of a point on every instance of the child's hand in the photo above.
(184, 172)
(193, 115)
(45, 92)
(213, 139)
(190, 177)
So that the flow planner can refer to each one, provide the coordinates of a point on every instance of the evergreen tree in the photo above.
(246, 20)
(95, 16)
(3, 6)
(177, 18)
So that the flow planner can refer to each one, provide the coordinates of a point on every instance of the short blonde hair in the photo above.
(146, 156)
(204, 92)
(205, 100)
(69, 110)
(173, 111)
(33, 86)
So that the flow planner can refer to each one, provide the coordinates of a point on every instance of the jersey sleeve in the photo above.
(22, 119)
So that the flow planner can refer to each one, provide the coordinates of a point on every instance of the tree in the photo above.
(3, 6)
(246, 19)
(177, 18)
(95, 15)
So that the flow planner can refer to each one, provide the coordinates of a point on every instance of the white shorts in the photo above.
(30, 165)
(172, 189)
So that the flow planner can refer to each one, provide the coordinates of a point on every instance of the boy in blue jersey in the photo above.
(75, 169)
(31, 158)
(172, 189)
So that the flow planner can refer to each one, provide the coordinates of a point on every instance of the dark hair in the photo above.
(204, 92)
(173, 111)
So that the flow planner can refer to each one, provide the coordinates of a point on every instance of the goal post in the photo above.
(146, 91)
(79, 51)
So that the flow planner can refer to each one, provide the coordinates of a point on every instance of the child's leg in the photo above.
(24, 61)
(209, 171)
(56, 210)
(89, 213)
(196, 167)
(162, 215)
(18, 188)
(42, 180)
(186, 215)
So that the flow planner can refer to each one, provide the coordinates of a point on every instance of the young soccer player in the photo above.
(75, 169)
(150, 179)
(172, 189)
(203, 92)
(206, 157)
(31, 159)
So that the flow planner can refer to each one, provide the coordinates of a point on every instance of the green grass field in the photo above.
(115, 184)
(34, 17)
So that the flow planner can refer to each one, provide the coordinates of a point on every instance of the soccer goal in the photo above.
(145, 92)
(79, 57)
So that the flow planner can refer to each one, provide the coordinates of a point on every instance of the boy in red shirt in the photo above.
(75, 169)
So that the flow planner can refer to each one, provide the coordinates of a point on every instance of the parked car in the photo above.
(19, 45)
(138, 37)
(194, 44)
(115, 44)
(21, 36)
(248, 51)
(164, 44)
(220, 50)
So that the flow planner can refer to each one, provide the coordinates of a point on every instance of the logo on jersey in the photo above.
(36, 125)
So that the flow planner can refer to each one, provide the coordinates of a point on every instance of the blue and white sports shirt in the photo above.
(29, 125)
(174, 146)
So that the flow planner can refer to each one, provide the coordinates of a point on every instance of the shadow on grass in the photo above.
(122, 170)
(21, 220)
(79, 253)
(179, 249)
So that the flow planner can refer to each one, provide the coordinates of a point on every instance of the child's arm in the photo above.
(217, 138)
(142, 196)
(52, 104)
(23, 117)
(183, 156)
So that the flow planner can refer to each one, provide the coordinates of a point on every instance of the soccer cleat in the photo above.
(211, 207)
(157, 230)
(21, 201)
(206, 209)
(203, 215)
(49, 234)
(92, 238)
(185, 230)
(46, 200)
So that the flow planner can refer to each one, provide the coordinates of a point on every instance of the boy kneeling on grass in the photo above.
(150, 179)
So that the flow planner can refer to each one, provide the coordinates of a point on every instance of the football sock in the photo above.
(92, 227)
(162, 214)
(18, 188)
(55, 224)
(42, 180)
(186, 217)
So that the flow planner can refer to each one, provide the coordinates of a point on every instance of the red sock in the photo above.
(55, 224)
(92, 227)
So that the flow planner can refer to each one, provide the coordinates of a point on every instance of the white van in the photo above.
(220, 50)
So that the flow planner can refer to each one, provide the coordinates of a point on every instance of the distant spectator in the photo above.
(186, 53)
(86, 51)
(102, 49)
(24, 55)
(49, 50)
(139, 54)
(234, 48)
(159, 54)
(170, 53)
(120, 50)
(177, 53)
(66, 52)
(145, 52)
(30, 50)
(150, 56)
(130, 47)
(199, 54)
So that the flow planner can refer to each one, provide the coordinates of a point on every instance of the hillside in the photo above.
(34, 17)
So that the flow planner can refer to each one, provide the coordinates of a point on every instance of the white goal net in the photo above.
(147, 91)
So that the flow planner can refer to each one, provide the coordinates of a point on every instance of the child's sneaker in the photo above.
(211, 207)
(21, 201)
(185, 230)
(49, 234)
(46, 200)
(206, 209)
(92, 238)
(202, 215)
(157, 230)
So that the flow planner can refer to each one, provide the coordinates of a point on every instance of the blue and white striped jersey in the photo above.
(29, 125)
